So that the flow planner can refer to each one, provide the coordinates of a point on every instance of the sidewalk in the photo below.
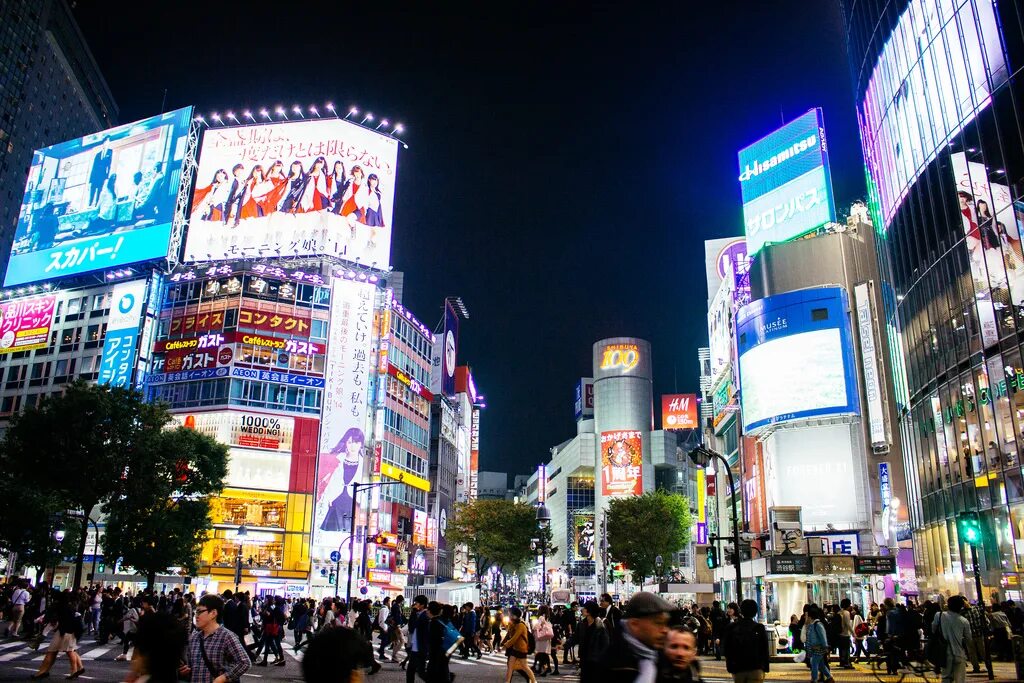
(1004, 671)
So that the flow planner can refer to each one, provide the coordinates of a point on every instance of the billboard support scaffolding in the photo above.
(181, 205)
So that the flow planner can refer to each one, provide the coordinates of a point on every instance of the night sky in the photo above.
(566, 160)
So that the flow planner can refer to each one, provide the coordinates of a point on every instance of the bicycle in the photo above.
(911, 664)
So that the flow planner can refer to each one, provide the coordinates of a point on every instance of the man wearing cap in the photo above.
(636, 645)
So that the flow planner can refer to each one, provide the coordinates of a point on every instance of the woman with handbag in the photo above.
(543, 634)
(817, 646)
(517, 646)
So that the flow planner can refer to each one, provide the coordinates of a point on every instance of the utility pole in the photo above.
(702, 457)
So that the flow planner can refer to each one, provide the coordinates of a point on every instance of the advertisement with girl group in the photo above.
(300, 188)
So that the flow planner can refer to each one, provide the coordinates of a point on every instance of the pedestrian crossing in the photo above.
(22, 651)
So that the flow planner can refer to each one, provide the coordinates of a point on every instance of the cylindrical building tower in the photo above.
(623, 419)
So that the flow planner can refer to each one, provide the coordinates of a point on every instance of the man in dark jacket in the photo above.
(419, 642)
(745, 644)
(592, 638)
(634, 649)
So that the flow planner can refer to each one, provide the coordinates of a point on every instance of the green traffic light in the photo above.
(970, 530)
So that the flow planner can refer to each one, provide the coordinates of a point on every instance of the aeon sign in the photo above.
(622, 357)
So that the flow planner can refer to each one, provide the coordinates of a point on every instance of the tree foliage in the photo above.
(161, 516)
(497, 533)
(642, 527)
(92, 445)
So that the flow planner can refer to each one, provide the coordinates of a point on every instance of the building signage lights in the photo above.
(620, 357)
(621, 463)
(118, 359)
(872, 379)
(785, 182)
(679, 411)
(25, 323)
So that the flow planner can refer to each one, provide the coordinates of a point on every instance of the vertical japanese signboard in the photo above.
(344, 416)
(474, 455)
(621, 463)
(119, 344)
(25, 323)
(869, 358)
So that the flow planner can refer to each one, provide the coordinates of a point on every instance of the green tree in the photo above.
(496, 532)
(642, 527)
(160, 517)
(79, 446)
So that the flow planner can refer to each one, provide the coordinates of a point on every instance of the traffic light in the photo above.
(330, 579)
(712, 557)
(970, 528)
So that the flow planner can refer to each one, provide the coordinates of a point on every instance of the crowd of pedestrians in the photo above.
(217, 638)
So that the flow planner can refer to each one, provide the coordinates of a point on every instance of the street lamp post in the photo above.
(242, 532)
(58, 535)
(701, 457)
(543, 522)
(356, 487)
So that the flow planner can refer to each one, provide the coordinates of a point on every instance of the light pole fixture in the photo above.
(242, 532)
(58, 535)
(356, 487)
(703, 457)
(543, 522)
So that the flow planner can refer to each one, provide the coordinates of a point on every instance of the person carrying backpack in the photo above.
(954, 631)
(745, 645)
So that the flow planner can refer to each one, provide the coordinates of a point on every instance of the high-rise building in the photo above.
(50, 90)
(616, 453)
(937, 89)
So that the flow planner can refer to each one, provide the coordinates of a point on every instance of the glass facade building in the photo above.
(938, 87)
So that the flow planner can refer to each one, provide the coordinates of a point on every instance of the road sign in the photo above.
(335, 556)
(364, 590)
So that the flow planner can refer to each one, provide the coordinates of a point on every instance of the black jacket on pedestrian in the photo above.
(745, 644)
(592, 639)
(437, 664)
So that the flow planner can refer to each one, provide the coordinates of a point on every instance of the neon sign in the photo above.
(624, 356)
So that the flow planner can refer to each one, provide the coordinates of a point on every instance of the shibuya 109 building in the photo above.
(241, 275)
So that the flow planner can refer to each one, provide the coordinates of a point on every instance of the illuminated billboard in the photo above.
(323, 187)
(25, 323)
(992, 234)
(785, 183)
(934, 74)
(679, 411)
(101, 201)
(621, 463)
(796, 358)
(584, 399)
(581, 535)
(344, 418)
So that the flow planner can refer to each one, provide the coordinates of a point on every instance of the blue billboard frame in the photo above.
(102, 201)
(785, 180)
(790, 314)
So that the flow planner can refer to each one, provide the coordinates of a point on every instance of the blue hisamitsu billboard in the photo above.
(101, 201)
(785, 183)
(796, 358)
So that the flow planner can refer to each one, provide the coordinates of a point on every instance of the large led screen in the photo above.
(300, 188)
(796, 358)
(935, 73)
(101, 201)
(785, 183)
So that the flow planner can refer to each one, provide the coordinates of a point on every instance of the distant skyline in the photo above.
(565, 162)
